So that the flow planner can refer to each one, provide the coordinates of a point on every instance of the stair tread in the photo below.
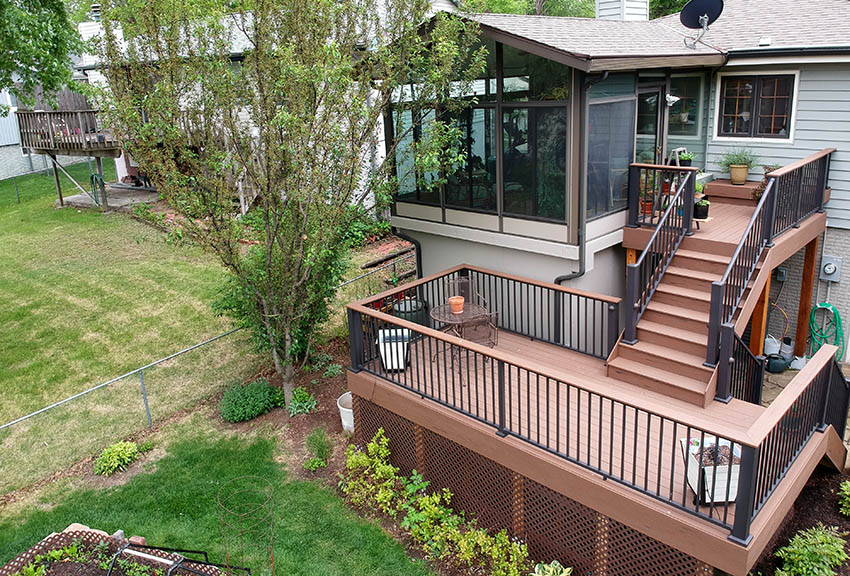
(695, 274)
(679, 311)
(659, 375)
(702, 295)
(673, 332)
(705, 256)
(671, 354)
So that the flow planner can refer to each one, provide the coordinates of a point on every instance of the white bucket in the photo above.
(786, 350)
(346, 412)
(771, 345)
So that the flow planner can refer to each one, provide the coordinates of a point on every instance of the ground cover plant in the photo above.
(116, 457)
(370, 481)
(817, 551)
(243, 402)
(175, 505)
(319, 447)
(88, 296)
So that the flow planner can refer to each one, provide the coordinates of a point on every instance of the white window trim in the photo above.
(700, 109)
(746, 140)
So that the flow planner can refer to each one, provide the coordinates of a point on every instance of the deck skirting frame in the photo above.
(553, 525)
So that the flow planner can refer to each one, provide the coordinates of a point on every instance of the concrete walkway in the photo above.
(117, 198)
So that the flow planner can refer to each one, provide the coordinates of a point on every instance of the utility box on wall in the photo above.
(830, 268)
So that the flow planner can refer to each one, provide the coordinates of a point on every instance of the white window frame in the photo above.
(700, 108)
(744, 139)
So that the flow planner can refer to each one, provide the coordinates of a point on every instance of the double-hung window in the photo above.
(756, 106)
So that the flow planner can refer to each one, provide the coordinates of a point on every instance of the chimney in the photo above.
(622, 9)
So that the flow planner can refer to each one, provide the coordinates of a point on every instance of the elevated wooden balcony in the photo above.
(66, 132)
(543, 403)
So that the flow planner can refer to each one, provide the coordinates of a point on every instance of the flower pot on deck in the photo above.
(456, 304)
(685, 161)
(646, 207)
(346, 412)
(701, 211)
(738, 174)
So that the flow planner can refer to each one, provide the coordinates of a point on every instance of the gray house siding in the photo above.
(822, 121)
(8, 128)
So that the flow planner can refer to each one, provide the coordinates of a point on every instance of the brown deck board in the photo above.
(639, 446)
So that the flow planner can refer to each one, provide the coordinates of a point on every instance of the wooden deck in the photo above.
(626, 433)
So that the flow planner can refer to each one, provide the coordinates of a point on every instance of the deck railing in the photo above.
(624, 441)
(742, 375)
(792, 194)
(814, 400)
(63, 130)
(676, 222)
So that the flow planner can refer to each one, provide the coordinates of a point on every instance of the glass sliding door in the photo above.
(649, 143)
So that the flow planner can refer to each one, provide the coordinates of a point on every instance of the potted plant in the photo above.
(768, 168)
(456, 303)
(701, 209)
(686, 158)
(738, 163)
(712, 467)
(646, 202)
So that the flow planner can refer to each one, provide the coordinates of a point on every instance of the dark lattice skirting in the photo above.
(553, 525)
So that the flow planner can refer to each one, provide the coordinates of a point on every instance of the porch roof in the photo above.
(598, 45)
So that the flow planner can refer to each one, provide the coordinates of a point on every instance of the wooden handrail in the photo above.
(639, 401)
(34, 112)
(665, 167)
(800, 163)
(774, 413)
(424, 280)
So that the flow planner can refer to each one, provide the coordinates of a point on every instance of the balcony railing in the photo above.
(671, 210)
(68, 130)
(627, 442)
(793, 193)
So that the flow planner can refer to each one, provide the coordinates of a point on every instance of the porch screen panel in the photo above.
(610, 149)
(534, 144)
(411, 128)
(473, 184)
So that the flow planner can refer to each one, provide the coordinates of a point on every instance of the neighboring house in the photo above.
(601, 395)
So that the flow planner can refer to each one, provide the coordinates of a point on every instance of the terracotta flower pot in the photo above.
(456, 303)
(738, 174)
(646, 206)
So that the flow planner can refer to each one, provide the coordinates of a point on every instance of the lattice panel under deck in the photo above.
(553, 525)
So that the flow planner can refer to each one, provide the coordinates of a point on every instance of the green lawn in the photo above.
(88, 296)
(175, 505)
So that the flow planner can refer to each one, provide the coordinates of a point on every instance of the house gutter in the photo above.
(799, 51)
(582, 204)
(416, 243)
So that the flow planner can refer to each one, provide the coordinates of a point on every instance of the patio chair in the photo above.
(394, 347)
(483, 329)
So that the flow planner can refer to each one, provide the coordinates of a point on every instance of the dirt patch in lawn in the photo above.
(818, 502)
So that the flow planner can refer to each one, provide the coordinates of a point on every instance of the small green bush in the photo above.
(303, 402)
(319, 360)
(844, 498)
(314, 464)
(145, 446)
(116, 457)
(243, 402)
(553, 568)
(332, 371)
(813, 552)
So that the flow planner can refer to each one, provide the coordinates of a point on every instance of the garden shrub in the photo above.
(243, 402)
(303, 402)
(813, 552)
(116, 457)
(320, 448)
(553, 568)
(844, 498)
(371, 481)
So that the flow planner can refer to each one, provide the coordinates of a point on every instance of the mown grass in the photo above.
(175, 505)
(88, 296)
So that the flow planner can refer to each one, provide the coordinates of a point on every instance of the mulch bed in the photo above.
(818, 502)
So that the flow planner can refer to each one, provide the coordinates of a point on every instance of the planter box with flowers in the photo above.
(713, 467)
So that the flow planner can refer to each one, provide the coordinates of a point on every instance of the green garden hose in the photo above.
(832, 331)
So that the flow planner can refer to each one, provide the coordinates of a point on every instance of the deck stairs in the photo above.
(672, 334)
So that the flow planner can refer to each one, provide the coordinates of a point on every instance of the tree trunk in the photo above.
(288, 373)
(540, 7)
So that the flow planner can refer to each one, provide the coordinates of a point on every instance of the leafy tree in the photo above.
(578, 8)
(659, 8)
(291, 120)
(36, 40)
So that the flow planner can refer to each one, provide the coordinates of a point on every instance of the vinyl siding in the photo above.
(822, 121)
(622, 9)
(8, 123)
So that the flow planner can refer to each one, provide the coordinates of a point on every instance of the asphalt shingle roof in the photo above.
(788, 24)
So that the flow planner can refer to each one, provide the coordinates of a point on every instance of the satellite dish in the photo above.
(699, 15)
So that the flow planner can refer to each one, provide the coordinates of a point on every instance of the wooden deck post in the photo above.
(104, 203)
(56, 179)
(760, 315)
(805, 307)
